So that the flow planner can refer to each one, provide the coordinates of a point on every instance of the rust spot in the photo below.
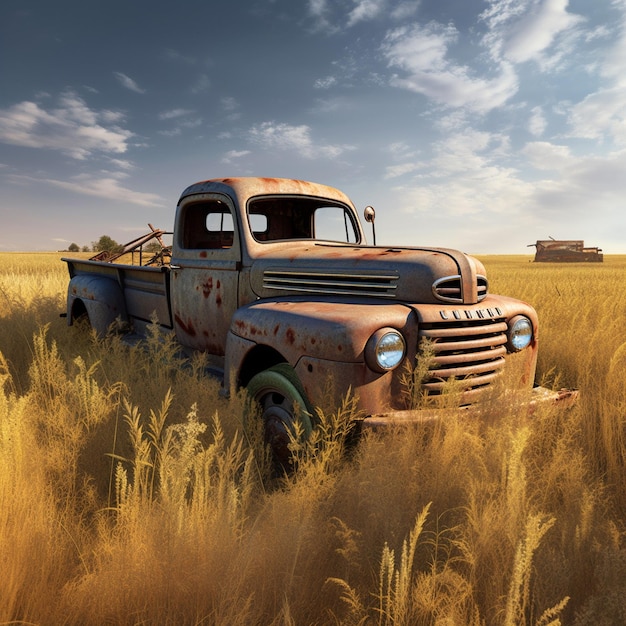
(219, 284)
(218, 300)
(276, 328)
(203, 254)
(207, 287)
(188, 328)
(313, 341)
(291, 336)
(214, 348)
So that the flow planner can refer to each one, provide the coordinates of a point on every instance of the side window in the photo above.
(334, 224)
(207, 226)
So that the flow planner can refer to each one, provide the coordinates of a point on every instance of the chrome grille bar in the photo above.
(378, 285)
(471, 352)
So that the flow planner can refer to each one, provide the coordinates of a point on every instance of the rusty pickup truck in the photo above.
(274, 281)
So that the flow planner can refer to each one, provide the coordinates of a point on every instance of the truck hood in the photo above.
(424, 275)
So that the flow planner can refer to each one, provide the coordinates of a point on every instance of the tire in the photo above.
(282, 402)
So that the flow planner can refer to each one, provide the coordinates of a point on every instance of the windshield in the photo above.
(295, 217)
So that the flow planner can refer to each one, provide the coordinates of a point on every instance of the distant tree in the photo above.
(73, 247)
(106, 243)
(85, 249)
(153, 246)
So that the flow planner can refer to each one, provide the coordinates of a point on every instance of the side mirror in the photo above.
(370, 216)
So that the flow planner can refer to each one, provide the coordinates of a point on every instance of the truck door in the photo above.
(205, 272)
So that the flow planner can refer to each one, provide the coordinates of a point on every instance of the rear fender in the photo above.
(101, 297)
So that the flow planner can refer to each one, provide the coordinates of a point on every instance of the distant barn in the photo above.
(566, 251)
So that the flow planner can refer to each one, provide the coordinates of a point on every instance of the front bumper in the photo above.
(538, 397)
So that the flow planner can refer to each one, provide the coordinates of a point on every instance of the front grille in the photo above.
(338, 283)
(470, 352)
(450, 288)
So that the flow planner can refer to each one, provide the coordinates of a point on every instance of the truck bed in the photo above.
(146, 290)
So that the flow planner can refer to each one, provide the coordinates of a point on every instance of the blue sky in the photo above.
(481, 125)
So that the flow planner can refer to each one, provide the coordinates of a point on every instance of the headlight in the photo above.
(520, 333)
(385, 350)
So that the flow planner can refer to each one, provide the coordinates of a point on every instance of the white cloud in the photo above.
(404, 10)
(537, 123)
(467, 150)
(122, 164)
(486, 192)
(614, 65)
(331, 105)
(231, 107)
(601, 115)
(405, 157)
(580, 189)
(202, 84)
(366, 10)
(464, 176)
(536, 31)
(108, 188)
(182, 119)
(71, 127)
(563, 189)
(421, 53)
(547, 156)
(325, 83)
(174, 55)
(319, 11)
(174, 113)
(111, 117)
(330, 16)
(232, 155)
(229, 103)
(523, 30)
(280, 136)
(395, 171)
(128, 82)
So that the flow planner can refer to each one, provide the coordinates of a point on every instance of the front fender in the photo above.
(334, 330)
(101, 297)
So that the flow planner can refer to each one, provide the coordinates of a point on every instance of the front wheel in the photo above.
(282, 402)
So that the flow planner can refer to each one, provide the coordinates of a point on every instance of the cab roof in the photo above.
(247, 187)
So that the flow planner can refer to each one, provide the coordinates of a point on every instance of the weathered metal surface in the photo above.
(422, 275)
(566, 251)
(250, 187)
(99, 296)
(251, 284)
(320, 328)
(526, 406)
(110, 290)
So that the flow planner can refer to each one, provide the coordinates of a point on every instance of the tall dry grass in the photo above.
(132, 493)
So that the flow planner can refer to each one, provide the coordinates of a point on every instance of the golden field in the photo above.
(132, 493)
